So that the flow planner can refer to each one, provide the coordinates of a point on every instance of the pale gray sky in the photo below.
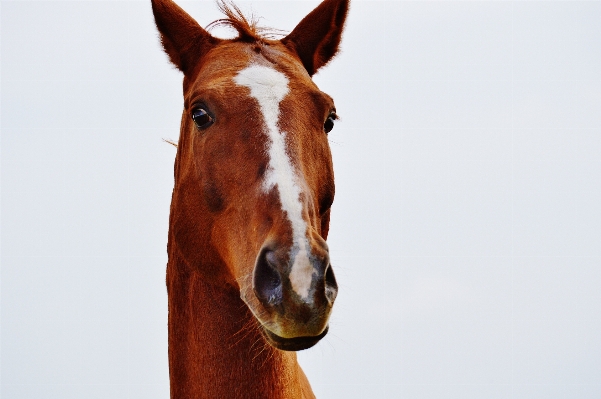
(465, 235)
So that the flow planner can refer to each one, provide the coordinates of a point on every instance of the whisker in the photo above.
(173, 143)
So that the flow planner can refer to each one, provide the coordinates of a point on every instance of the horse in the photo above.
(249, 278)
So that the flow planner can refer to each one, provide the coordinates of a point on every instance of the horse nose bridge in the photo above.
(306, 192)
(292, 214)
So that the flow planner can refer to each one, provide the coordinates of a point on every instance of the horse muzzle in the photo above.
(296, 290)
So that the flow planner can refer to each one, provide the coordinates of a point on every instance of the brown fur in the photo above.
(220, 219)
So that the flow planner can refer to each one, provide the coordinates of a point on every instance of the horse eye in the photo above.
(201, 118)
(329, 124)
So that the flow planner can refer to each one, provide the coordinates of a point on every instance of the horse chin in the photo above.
(292, 344)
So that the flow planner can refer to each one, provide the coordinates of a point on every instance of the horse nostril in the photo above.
(267, 282)
(331, 285)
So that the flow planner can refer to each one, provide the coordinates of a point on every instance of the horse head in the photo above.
(254, 180)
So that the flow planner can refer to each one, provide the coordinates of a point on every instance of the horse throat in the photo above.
(215, 346)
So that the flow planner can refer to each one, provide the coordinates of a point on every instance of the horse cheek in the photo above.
(325, 224)
(213, 197)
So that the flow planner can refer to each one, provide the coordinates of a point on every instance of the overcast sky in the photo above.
(465, 234)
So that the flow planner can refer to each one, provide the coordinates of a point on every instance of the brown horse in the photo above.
(249, 277)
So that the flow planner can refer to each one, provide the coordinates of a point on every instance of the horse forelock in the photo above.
(248, 28)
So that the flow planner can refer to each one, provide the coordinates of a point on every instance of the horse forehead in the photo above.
(229, 58)
(224, 64)
(284, 85)
(266, 84)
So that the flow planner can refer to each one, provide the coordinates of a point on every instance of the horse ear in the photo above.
(316, 38)
(183, 39)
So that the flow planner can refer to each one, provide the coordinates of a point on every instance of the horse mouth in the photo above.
(292, 344)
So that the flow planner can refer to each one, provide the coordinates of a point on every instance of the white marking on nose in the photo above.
(269, 87)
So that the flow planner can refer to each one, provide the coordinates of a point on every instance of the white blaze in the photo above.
(269, 87)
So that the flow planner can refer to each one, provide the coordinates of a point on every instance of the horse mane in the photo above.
(247, 27)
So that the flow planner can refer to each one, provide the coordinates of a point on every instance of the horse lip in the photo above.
(292, 344)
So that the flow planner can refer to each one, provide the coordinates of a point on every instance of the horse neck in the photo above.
(215, 347)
